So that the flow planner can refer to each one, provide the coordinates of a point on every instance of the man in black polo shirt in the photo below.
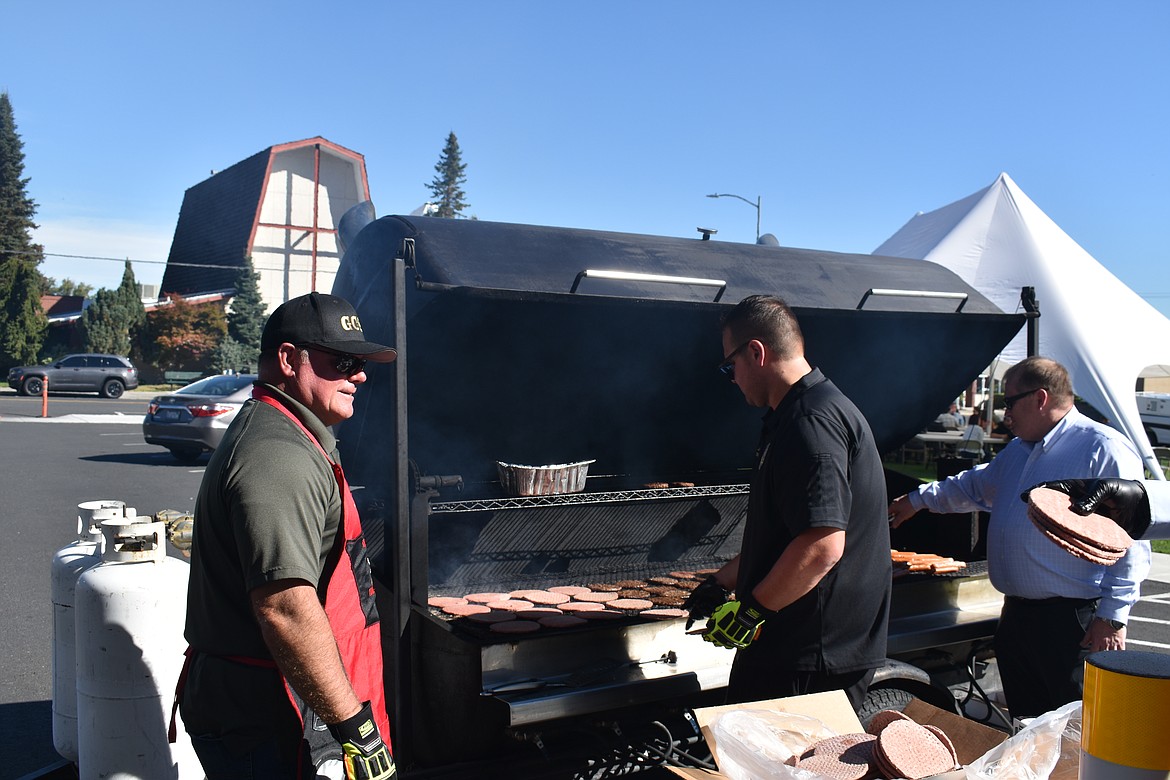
(812, 580)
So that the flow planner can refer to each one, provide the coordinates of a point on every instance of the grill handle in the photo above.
(960, 297)
(441, 481)
(633, 276)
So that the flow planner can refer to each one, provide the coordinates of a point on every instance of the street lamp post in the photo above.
(745, 200)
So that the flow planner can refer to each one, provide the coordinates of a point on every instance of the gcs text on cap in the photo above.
(324, 321)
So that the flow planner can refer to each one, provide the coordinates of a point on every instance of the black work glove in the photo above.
(365, 754)
(1124, 501)
(737, 623)
(704, 600)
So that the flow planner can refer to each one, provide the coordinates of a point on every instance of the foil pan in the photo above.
(517, 480)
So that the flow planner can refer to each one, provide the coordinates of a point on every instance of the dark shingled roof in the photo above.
(215, 225)
(62, 305)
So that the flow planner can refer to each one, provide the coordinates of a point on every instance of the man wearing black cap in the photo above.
(284, 668)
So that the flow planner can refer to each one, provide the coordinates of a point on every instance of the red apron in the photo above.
(353, 616)
(349, 605)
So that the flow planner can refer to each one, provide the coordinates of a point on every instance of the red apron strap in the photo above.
(172, 732)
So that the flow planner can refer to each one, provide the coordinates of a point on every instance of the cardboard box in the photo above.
(971, 739)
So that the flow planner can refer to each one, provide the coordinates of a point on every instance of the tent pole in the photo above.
(1032, 311)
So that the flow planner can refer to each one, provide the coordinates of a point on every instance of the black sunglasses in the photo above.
(727, 367)
(346, 365)
(1010, 400)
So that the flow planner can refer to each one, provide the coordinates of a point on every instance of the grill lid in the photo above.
(503, 363)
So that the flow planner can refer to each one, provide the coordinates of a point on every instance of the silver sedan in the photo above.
(192, 420)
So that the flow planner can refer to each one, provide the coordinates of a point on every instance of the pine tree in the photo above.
(240, 349)
(22, 321)
(450, 175)
(101, 330)
(115, 319)
(131, 309)
(16, 208)
(130, 300)
(246, 321)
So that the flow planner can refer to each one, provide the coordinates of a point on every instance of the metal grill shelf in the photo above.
(618, 496)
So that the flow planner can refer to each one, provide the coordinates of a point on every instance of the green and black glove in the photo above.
(737, 623)
(365, 754)
(1124, 501)
(704, 600)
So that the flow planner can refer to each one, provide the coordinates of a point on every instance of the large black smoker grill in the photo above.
(540, 345)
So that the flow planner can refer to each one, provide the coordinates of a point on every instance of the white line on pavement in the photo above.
(1162, 645)
(1163, 598)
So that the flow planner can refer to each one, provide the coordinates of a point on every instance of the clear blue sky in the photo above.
(846, 118)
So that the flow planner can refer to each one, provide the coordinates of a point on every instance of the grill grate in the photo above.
(563, 541)
(618, 496)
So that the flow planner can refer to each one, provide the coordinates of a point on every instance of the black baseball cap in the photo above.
(325, 321)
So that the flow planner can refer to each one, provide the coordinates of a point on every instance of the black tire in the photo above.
(32, 385)
(113, 388)
(186, 454)
(878, 699)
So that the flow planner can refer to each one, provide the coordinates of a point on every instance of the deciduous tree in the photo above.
(67, 287)
(184, 335)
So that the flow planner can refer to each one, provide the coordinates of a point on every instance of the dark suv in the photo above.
(109, 375)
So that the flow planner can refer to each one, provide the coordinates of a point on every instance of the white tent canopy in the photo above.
(998, 241)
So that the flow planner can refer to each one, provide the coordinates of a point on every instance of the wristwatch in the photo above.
(1117, 625)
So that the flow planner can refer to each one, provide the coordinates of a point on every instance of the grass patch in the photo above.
(916, 470)
(1161, 545)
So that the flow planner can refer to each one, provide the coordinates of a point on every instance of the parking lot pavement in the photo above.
(1149, 621)
(1160, 567)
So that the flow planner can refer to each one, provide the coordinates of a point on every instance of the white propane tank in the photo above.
(130, 614)
(68, 564)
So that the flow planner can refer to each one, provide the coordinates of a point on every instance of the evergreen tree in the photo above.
(114, 321)
(16, 208)
(130, 301)
(101, 330)
(130, 307)
(25, 321)
(22, 321)
(447, 186)
(246, 320)
(240, 349)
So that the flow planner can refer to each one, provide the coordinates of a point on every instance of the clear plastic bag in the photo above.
(754, 744)
(1033, 753)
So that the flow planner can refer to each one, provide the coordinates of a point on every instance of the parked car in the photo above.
(1154, 409)
(191, 420)
(110, 375)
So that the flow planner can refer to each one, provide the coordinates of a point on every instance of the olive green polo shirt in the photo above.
(268, 509)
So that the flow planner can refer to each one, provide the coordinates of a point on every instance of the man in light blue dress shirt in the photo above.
(1057, 608)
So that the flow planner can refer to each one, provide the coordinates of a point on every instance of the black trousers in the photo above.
(1038, 648)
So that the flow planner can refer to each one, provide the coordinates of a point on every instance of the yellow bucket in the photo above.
(1125, 721)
